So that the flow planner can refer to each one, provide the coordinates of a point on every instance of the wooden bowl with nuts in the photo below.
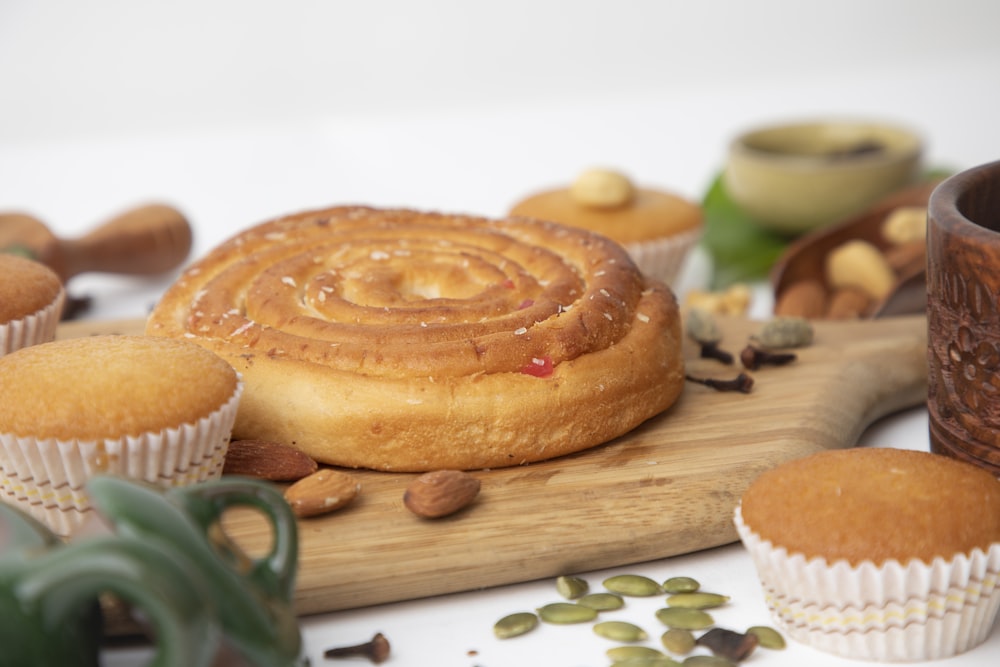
(870, 265)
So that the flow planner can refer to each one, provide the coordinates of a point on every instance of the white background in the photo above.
(236, 111)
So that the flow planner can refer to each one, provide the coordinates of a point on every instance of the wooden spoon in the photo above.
(804, 258)
(146, 240)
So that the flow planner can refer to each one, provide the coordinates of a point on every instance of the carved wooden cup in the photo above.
(963, 316)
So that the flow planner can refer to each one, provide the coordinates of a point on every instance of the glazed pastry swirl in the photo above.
(377, 305)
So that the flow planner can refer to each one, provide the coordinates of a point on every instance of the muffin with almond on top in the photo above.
(656, 227)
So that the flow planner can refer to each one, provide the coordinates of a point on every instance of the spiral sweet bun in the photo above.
(410, 341)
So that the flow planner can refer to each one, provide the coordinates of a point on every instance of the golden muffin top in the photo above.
(26, 287)
(606, 202)
(110, 386)
(875, 505)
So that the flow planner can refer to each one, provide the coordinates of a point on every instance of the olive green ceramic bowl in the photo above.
(797, 177)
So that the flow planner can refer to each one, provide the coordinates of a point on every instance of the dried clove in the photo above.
(376, 650)
(754, 357)
(703, 330)
(742, 383)
(729, 644)
(713, 351)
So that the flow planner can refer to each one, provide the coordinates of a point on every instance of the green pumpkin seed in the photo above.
(685, 618)
(767, 637)
(602, 601)
(635, 585)
(681, 585)
(566, 612)
(697, 600)
(651, 661)
(707, 661)
(515, 625)
(679, 641)
(619, 653)
(620, 631)
(571, 588)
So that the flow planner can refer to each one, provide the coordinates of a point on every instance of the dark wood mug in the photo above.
(963, 316)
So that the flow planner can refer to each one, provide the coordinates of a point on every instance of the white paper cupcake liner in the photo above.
(46, 477)
(664, 258)
(37, 328)
(891, 613)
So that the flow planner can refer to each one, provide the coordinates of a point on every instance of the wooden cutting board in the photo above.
(667, 488)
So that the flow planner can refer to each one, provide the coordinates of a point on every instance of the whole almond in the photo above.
(268, 460)
(440, 493)
(849, 303)
(323, 491)
(803, 298)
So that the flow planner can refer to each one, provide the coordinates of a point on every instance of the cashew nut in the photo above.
(602, 188)
(904, 224)
(860, 264)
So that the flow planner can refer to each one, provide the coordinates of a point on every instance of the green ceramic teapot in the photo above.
(165, 559)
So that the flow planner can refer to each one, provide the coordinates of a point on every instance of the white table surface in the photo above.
(236, 112)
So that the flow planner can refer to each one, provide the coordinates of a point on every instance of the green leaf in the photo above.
(740, 249)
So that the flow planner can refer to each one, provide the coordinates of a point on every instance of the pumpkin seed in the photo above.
(697, 600)
(767, 637)
(635, 585)
(619, 653)
(681, 585)
(515, 625)
(651, 661)
(602, 601)
(566, 612)
(707, 661)
(679, 641)
(685, 618)
(620, 631)
(571, 588)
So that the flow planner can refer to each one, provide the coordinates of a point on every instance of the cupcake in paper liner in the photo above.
(877, 554)
(656, 227)
(155, 409)
(664, 258)
(31, 303)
